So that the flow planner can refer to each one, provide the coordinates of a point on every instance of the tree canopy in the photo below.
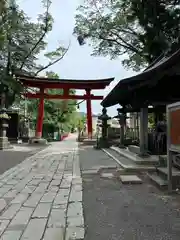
(139, 30)
(21, 42)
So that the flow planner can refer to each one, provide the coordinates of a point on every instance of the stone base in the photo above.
(13, 140)
(25, 139)
(4, 143)
(39, 141)
(135, 149)
(143, 155)
(102, 144)
(121, 146)
(90, 142)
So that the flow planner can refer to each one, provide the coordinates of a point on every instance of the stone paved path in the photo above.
(41, 198)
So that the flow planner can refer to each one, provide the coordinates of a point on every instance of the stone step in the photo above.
(164, 172)
(126, 163)
(90, 142)
(157, 180)
(151, 160)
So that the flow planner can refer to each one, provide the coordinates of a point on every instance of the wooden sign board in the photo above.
(173, 125)
(173, 138)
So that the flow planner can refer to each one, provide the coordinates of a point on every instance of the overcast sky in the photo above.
(78, 63)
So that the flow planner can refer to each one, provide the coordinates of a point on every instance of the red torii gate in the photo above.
(66, 84)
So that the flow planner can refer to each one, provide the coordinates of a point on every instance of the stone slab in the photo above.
(75, 209)
(61, 199)
(77, 221)
(22, 217)
(3, 225)
(90, 171)
(130, 179)
(48, 197)
(35, 229)
(11, 194)
(74, 233)
(57, 218)
(10, 212)
(75, 196)
(42, 210)
(33, 200)
(2, 204)
(20, 198)
(11, 235)
(54, 233)
(107, 175)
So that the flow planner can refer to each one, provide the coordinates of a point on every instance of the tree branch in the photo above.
(126, 46)
(112, 40)
(40, 39)
(52, 62)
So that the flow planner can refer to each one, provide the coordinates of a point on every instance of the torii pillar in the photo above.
(39, 125)
(40, 117)
(89, 113)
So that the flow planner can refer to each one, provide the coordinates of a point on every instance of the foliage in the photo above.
(139, 30)
(151, 119)
(21, 42)
(82, 122)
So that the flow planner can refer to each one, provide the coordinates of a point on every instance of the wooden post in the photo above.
(144, 131)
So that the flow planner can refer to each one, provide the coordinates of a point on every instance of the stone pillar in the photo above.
(144, 131)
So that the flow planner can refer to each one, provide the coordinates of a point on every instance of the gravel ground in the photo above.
(91, 158)
(126, 212)
(11, 157)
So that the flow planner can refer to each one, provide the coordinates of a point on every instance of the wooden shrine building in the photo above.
(157, 86)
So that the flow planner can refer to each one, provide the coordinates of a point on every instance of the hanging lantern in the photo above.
(81, 40)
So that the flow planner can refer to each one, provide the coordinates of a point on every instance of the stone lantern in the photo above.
(4, 118)
(103, 140)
